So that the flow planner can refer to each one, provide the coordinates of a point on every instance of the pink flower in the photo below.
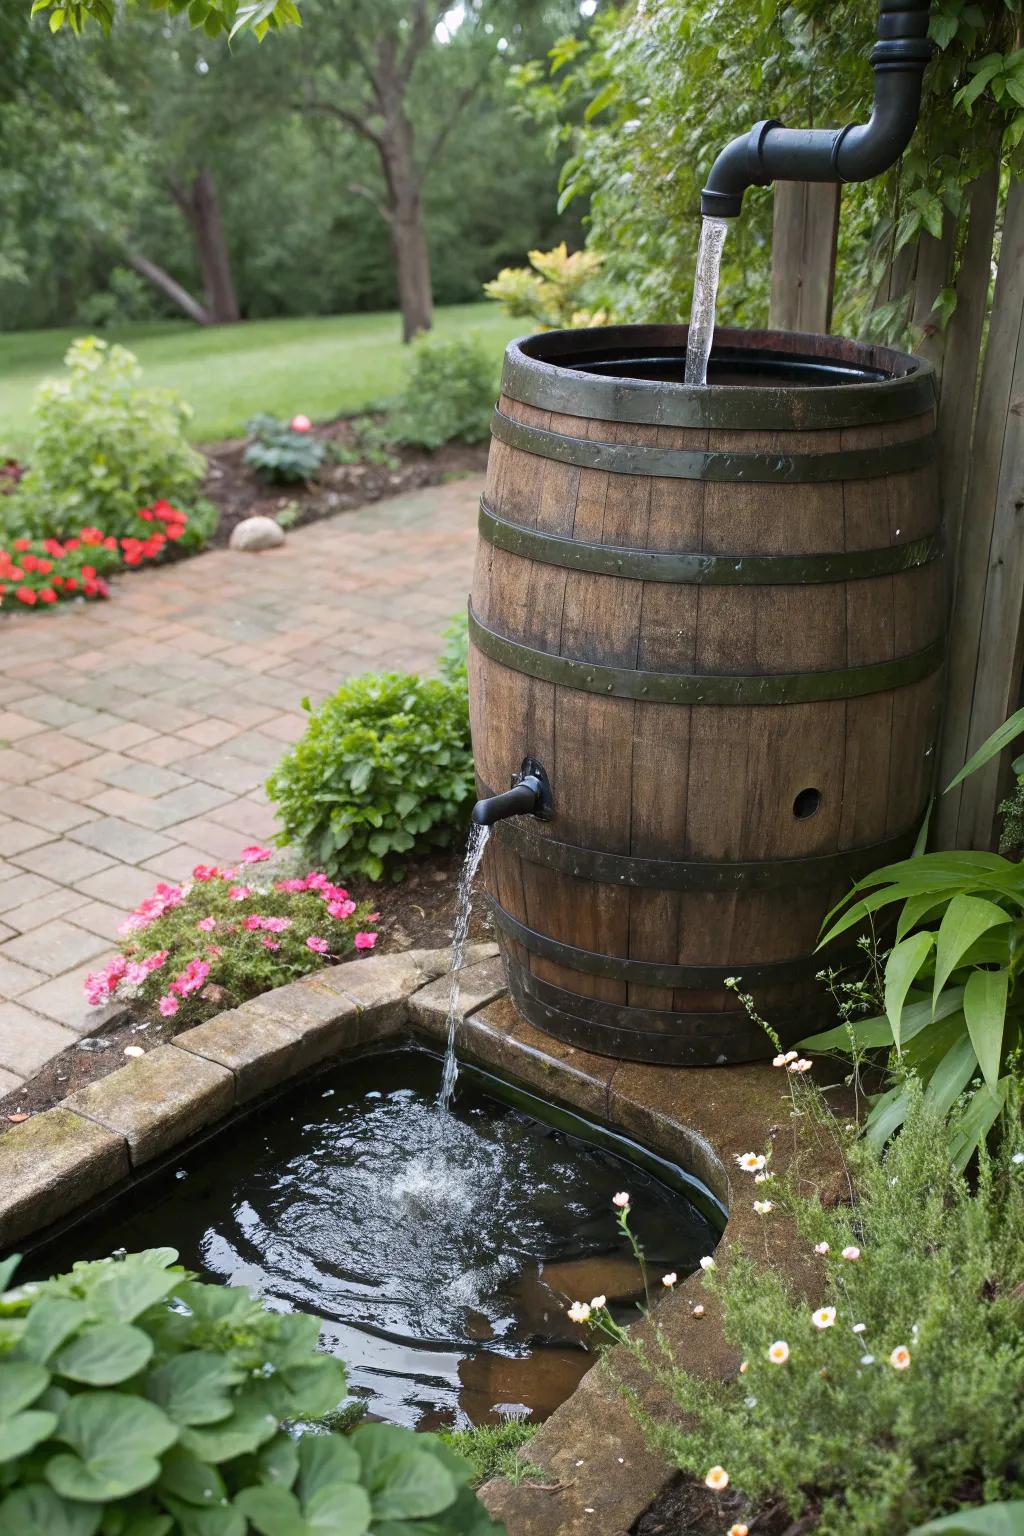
(315, 881)
(365, 940)
(163, 899)
(277, 924)
(374, 917)
(333, 892)
(191, 978)
(252, 922)
(169, 1006)
(203, 872)
(155, 961)
(341, 909)
(318, 946)
(290, 885)
(99, 985)
(301, 423)
(255, 854)
(239, 893)
(136, 974)
(270, 943)
(207, 924)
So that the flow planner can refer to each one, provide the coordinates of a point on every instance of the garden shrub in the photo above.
(449, 393)
(137, 1401)
(556, 291)
(893, 1393)
(284, 452)
(231, 930)
(384, 771)
(104, 447)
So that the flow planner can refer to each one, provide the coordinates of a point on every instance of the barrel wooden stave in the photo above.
(712, 783)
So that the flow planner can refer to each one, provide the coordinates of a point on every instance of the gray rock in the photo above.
(256, 533)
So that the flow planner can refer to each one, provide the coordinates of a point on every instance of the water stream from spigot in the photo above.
(705, 294)
(475, 846)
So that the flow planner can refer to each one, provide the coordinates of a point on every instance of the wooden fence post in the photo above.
(805, 226)
(985, 641)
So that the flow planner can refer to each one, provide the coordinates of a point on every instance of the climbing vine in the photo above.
(640, 107)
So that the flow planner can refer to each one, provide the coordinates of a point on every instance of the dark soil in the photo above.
(238, 492)
(416, 913)
(687, 1508)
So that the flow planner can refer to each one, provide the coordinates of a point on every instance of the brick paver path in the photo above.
(136, 735)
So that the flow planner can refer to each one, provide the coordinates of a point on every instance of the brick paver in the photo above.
(136, 735)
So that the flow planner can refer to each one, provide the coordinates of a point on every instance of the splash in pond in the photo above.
(441, 1267)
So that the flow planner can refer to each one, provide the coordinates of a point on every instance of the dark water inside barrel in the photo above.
(439, 1250)
(726, 366)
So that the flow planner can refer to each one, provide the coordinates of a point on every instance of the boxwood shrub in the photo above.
(137, 1401)
(383, 773)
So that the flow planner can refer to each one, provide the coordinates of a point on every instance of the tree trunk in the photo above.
(408, 231)
(198, 202)
(169, 287)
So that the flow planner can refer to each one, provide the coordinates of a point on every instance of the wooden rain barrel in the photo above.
(715, 616)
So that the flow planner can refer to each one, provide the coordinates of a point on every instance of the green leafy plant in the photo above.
(556, 290)
(449, 393)
(495, 1450)
(213, 16)
(383, 773)
(136, 1401)
(231, 930)
(953, 1014)
(988, 1520)
(281, 452)
(104, 447)
(883, 1386)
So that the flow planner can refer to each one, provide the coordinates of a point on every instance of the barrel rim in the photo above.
(534, 374)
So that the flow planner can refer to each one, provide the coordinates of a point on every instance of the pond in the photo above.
(440, 1251)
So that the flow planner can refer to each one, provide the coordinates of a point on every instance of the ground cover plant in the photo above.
(104, 447)
(890, 1395)
(449, 393)
(284, 452)
(384, 771)
(230, 934)
(137, 1401)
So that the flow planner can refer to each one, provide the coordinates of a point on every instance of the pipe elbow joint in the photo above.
(738, 167)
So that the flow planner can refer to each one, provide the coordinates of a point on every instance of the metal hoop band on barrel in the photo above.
(699, 570)
(522, 836)
(653, 973)
(721, 465)
(643, 1034)
(716, 688)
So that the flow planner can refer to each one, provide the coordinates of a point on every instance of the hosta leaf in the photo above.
(985, 997)
(51, 1321)
(220, 1520)
(186, 1477)
(22, 1432)
(965, 920)
(193, 1388)
(131, 1285)
(278, 1461)
(105, 1354)
(36, 1510)
(117, 1439)
(276, 1512)
(251, 1425)
(989, 1520)
(21, 1382)
(411, 1486)
(903, 964)
(324, 1462)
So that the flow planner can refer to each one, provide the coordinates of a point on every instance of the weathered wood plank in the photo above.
(805, 227)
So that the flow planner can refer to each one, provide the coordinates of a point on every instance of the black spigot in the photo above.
(770, 152)
(530, 795)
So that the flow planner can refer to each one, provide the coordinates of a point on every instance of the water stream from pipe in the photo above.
(475, 846)
(705, 294)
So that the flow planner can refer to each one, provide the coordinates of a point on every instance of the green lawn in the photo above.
(325, 367)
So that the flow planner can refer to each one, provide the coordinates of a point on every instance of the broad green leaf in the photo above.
(185, 1477)
(131, 1285)
(411, 1486)
(193, 1388)
(905, 960)
(325, 1460)
(221, 1520)
(21, 1382)
(117, 1439)
(22, 1432)
(7, 1268)
(278, 1461)
(878, 1031)
(951, 1076)
(105, 1354)
(988, 1520)
(251, 1425)
(985, 1010)
(968, 1133)
(276, 1512)
(886, 1116)
(1009, 730)
(35, 1510)
(965, 920)
(51, 1321)
(915, 909)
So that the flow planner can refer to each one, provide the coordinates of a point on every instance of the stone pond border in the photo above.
(599, 1474)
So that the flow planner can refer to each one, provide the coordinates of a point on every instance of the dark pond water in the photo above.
(439, 1251)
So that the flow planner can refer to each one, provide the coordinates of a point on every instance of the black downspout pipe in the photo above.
(770, 152)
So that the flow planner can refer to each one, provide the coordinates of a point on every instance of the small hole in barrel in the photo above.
(806, 803)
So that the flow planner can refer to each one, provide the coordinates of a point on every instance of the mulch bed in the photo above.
(416, 913)
(238, 492)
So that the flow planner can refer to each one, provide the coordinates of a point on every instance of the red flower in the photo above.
(48, 595)
(88, 573)
(108, 543)
(70, 584)
(27, 596)
(93, 536)
(175, 530)
(22, 544)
